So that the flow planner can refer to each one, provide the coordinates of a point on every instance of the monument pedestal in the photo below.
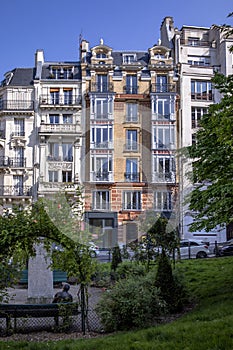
(40, 277)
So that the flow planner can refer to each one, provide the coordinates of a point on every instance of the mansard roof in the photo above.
(19, 77)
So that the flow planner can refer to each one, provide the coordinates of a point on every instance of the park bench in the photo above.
(25, 311)
(58, 277)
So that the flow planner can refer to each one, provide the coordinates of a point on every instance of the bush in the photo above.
(128, 268)
(131, 303)
(116, 258)
(170, 286)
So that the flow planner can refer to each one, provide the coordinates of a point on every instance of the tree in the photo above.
(212, 158)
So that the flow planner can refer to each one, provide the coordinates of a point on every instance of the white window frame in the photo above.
(100, 130)
(164, 137)
(163, 101)
(103, 203)
(132, 200)
(132, 112)
(163, 201)
(196, 115)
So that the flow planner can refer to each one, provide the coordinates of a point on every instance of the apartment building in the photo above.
(198, 53)
(111, 121)
(130, 138)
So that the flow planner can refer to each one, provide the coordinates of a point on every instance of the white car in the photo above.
(94, 249)
(193, 249)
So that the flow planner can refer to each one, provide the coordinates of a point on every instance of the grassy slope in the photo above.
(208, 327)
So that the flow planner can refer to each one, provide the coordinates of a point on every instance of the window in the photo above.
(129, 58)
(102, 136)
(53, 151)
(101, 108)
(161, 83)
(131, 140)
(19, 160)
(199, 60)
(101, 55)
(19, 127)
(163, 137)
(67, 152)
(67, 73)
(163, 201)
(100, 200)
(201, 90)
(131, 84)
(131, 200)
(131, 112)
(164, 169)
(53, 176)
(54, 96)
(67, 118)
(197, 113)
(193, 41)
(163, 107)
(66, 176)
(18, 189)
(131, 173)
(54, 118)
(68, 96)
(102, 83)
(102, 168)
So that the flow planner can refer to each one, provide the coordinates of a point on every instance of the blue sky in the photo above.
(55, 25)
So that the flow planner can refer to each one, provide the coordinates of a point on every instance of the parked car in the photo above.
(226, 248)
(193, 249)
(94, 249)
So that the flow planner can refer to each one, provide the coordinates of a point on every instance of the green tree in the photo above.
(212, 162)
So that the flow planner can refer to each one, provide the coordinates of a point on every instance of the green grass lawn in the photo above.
(209, 326)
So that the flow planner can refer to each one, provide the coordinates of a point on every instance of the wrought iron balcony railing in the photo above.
(13, 162)
(102, 176)
(130, 90)
(131, 147)
(60, 100)
(194, 42)
(164, 177)
(15, 191)
(132, 177)
(16, 105)
(101, 87)
(103, 145)
(18, 133)
(161, 88)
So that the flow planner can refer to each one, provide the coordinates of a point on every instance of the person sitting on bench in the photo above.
(64, 296)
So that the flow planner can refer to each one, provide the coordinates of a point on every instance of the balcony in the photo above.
(15, 191)
(131, 147)
(12, 162)
(18, 134)
(102, 88)
(132, 118)
(164, 177)
(13, 105)
(101, 145)
(195, 42)
(163, 146)
(130, 90)
(202, 96)
(59, 128)
(158, 88)
(60, 100)
(132, 177)
(101, 176)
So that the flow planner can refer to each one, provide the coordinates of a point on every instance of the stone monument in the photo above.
(40, 277)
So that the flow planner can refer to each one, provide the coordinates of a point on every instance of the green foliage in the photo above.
(213, 162)
(129, 269)
(129, 304)
(171, 288)
(116, 258)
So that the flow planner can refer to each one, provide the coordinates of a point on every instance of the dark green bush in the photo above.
(128, 268)
(131, 303)
(116, 258)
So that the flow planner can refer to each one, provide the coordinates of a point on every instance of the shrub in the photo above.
(128, 268)
(131, 303)
(170, 286)
(116, 258)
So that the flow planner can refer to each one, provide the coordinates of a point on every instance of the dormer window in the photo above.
(61, 72)
(101, 55)
(129, 58)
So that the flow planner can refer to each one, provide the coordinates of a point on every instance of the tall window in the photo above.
(53, 176)
(53, 151)
(54, 96)
(129, 58)
(66, 176)
(101, 108)
(100, 200)
(68, 96)
(67, 152)
(67, 118)
(102, 83)
(164, 137)
(18, 189)
(131, 112)
(19, 127)
(132, 200)
(131, 84)
(101, 168)
(192, 41)
(199, 60)
(131, 140)
(54, 118)
(163, 201)
(197, 113)
(163, 107)
(164, 169)
(201, 90)
(131, 173)
(19, 160)
(161, 83)
(102, 136)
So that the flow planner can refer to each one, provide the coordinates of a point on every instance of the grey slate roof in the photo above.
(46, 69)
(21, 77)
